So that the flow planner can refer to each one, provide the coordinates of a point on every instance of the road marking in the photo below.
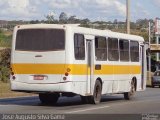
(88, 109)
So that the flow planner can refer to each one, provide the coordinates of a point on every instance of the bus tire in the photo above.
(97, 93)
(130, 94)
(48, 98)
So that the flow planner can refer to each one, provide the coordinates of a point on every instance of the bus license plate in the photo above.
(38, 77)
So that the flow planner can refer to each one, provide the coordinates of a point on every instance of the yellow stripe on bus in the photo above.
(38, 68)
(119, 69)
(76, 69)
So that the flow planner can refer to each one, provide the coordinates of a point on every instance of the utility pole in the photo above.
(149, 54)
(128, 15)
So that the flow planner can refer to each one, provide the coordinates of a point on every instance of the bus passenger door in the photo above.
(89, 55)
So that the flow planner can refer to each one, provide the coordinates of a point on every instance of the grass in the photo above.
(5, 39)
(5, 91)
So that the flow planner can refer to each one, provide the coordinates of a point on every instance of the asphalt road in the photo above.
(145, 102)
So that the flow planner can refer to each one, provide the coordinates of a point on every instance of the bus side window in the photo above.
(124, 50)
(79, 47)
(101, 48)
(113, 53)
(134, 51)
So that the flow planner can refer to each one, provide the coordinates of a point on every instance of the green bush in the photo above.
(5, 40)
(5, 64)
(5, 73)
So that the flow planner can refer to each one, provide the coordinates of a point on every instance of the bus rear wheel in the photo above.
(96, 98)
(130, 94)
(48, 98)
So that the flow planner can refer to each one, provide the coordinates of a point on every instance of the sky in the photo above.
(106, 10)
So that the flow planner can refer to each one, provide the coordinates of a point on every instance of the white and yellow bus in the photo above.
(66, 60)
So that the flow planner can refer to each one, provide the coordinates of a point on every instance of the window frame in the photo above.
(32, 40)
(124, 50)
(79, 47)
(105, 48)
(133, 51)
(110, 50)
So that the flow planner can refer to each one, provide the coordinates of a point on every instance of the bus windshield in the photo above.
(40, 40)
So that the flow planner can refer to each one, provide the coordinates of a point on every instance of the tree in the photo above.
(50, 17)
(72, 19)
(115, 21)
(85, 21)
(133, 25)
(34, 21)
(5, 64)
(142, 23)
(63, 17)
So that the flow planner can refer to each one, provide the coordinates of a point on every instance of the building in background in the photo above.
(157, 35)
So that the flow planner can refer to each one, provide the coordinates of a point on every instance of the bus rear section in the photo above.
(38, 60)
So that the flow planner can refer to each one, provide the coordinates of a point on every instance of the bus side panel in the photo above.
(78, 74)
(107, 83)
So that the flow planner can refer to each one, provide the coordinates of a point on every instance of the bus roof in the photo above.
(82, 30)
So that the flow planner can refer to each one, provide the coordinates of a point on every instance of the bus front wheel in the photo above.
(96, 98)
(48, 98)
(130, 94)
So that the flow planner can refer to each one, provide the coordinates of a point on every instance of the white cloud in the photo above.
(140, 12)
(18, 9)
(114, 6)
(32, 9)
(3, 3)
(157, 2)
(92, 9)
(18, 3)
(110, 9)
(87, 8)
(121, 8)
(63, 3)
(104, 3)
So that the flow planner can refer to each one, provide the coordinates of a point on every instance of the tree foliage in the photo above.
(5, 40)
(5, 64)
(63, 17)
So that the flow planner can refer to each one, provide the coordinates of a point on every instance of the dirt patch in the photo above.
(5, 91)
